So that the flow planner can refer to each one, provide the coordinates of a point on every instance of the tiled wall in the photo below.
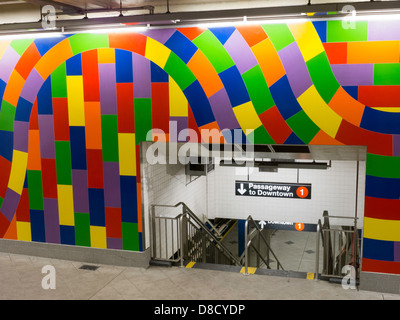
(74, 110)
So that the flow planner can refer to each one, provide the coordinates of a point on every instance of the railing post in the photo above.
(246, 248)
(317, 251)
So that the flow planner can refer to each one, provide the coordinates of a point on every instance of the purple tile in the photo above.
(160, 35)
(354, 74)
(240, 52)
(108, 88)
(46, 131)
(178, 129)
(51, 221)
(32, 86)
(383, 30)
(7, 63)
(396, 251)
(112, 196)
(21, 132)
(396, 145)
(296, 69)
(114, 243)
(222, 109)
(80, 191)
(10, 204)
(141, 77)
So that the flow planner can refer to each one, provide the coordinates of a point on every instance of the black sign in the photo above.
(273, 189)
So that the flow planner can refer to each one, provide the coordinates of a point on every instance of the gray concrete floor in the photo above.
(21, 278)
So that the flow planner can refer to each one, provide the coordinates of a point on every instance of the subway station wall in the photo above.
(75, 108)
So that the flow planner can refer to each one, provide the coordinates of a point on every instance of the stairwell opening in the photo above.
(293, 186)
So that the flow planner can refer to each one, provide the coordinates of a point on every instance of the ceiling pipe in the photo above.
(196, 17)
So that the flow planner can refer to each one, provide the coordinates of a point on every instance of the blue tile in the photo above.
(74, 65)
(37, 225)
(386, 188)
(45, 98)
(223, 33)
(234, 86)
(123, 66)
(379, 121)
(23, 111)
(78, 147)
(67, 235)
(181, 46)
(284, 98)
(199, 104)
(378, 249)
(97, 207)
(128, 199)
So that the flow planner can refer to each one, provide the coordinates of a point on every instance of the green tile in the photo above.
(258, 89)
(35, 188)
(322, 76)
(63, 162)
(21, 45)
(302, 126)
(279, 34)
(82, 229)
(337, 31)
(109, 130)
(130, 236)
(179, 71)
(261, 136)
(59, 82)
(7, 116)
(143, 120)
(85, 41)
(214, 51)
(383, 166)
(387, 74)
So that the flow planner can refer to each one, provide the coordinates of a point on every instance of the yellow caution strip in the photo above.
(250, 270)
(190, 264)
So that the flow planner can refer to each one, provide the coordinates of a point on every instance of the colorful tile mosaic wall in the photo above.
(74, 109)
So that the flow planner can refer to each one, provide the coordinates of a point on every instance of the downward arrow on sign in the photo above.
(241, 190)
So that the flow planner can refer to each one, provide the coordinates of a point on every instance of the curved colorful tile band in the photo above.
(74, 109)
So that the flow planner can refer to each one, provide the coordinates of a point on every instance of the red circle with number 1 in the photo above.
(302, 192)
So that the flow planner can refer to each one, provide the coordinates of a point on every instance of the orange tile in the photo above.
(373, 52)
(34, 159)
(93, 125)
(53, 58)
(14, 88)
(205, 73)
(347, 107)
(252, 34)
(322, 138)
(269, 61)
(28, 60)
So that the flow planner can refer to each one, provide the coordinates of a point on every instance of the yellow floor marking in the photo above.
(250, 270)
(190, 264)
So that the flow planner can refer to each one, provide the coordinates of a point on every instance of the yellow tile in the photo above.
(310, 275)
(65, 205)
(98, 238)
(106, 55)
(380, 229)
(18, 170)
(24, 231)
(319, 112)
(76, 106)
(127, 154)
(178, 104)
(4, 44)
(307, 39)
(247, 117)
(157, 52)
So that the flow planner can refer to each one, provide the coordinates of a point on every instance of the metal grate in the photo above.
(88, 267)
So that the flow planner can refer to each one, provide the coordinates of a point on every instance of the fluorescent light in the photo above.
(31, 35)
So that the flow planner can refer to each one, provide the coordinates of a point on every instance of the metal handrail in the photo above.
(329, 254)
(186, 211)
(249, 242)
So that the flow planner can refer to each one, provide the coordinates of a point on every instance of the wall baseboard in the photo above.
(76, 253)
(380, 282)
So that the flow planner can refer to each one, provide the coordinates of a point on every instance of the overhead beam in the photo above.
(198, 16)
